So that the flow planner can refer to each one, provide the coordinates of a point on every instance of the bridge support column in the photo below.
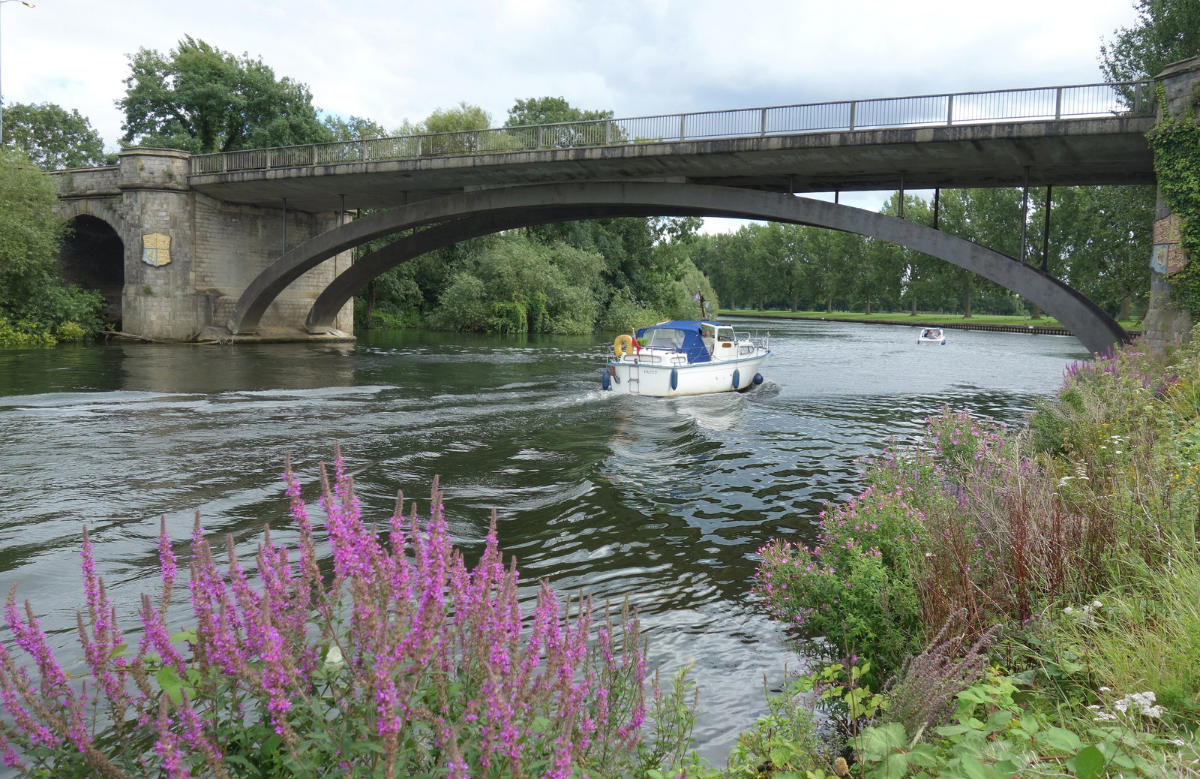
(1166, 323)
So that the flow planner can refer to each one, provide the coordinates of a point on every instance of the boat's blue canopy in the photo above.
(688, 338)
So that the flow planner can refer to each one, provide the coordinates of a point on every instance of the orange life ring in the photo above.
(623, 345)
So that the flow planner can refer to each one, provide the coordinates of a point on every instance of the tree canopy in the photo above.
(1166, 31)
(53, 137)
(200, 99)
(549, 110)
(1098, 244)
(35, 306)
(462, 118)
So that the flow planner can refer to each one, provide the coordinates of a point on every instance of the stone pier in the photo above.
(185, 257)
(1166, 323)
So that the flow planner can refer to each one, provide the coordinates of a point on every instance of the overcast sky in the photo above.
(397, 60)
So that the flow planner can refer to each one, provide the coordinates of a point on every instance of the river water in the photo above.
(663, 500)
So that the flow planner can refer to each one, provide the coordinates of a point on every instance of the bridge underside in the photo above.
(461, 216)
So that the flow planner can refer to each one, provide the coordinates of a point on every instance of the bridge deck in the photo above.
(1108, 150)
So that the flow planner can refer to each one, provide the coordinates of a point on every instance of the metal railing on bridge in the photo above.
(1044, 103)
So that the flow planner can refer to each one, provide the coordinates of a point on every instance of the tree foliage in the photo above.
(575, 126)
(353, 128)
(53, 137)
(33, 301)
(200, 99)
(549, 110)
(1098, 244)
(462, 118)
(1166, 31)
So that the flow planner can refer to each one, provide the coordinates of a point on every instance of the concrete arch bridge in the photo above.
(256, 243)
(450, 219)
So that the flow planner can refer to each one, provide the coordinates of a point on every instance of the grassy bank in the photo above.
(945, 320)
(1002, 603)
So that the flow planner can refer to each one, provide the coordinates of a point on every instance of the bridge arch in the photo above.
(469, 214)
(93, 256)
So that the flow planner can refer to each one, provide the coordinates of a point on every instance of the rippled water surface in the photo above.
(663, 500)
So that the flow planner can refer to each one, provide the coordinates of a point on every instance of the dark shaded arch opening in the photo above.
(93, 256)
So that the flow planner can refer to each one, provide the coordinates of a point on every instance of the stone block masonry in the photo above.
(187, 256)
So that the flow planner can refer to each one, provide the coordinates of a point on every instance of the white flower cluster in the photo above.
(1084, 614)
(1080, 473)
(1116, 441)
(1139, 703)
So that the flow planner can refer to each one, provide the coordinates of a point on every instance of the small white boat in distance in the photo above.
(932, 335)
(685, 357)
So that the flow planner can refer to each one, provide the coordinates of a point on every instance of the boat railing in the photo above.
(649, 355)
(756, 339)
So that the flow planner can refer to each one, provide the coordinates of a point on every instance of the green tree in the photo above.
(580, 127)
(1166, 31)
(456, 129)
(201, 99)
(354, 128)
(33, 299)
(1099, 242)
(989, 217)
(53, 137)
(462, 118)
(519, 286)
(832, 265)
(549, 110)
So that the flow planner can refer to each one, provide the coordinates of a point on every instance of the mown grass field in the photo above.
(901, 317)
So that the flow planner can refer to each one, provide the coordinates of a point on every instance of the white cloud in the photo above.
(392, 62)
(396, 61)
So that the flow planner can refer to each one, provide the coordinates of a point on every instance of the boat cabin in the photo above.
(700, 341)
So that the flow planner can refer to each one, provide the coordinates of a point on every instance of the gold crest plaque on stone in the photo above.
(1167, 256)
(156, 249)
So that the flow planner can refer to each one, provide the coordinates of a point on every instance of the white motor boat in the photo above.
(685, 357)
(932, 335)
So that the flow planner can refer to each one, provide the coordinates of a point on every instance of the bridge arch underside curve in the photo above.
(93, 256)
(458, 217)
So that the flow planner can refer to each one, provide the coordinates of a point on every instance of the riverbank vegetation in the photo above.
(397, 659)
(36, 307)
(999, 603)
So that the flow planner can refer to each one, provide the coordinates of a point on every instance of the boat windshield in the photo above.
(665, 338)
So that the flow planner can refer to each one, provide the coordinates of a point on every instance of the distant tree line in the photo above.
(1098, 243)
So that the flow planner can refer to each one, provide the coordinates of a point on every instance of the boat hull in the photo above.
(631, 376)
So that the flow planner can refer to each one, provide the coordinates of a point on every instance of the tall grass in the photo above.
(1076, 537)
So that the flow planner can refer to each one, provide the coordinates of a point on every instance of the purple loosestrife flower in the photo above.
(167, 564)
(197, 740)
(29, 637)
(15, 691)
(10, 757)
(155, 635)
(216, 641)
(168, 748)
(276, 675)
(430, 644)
